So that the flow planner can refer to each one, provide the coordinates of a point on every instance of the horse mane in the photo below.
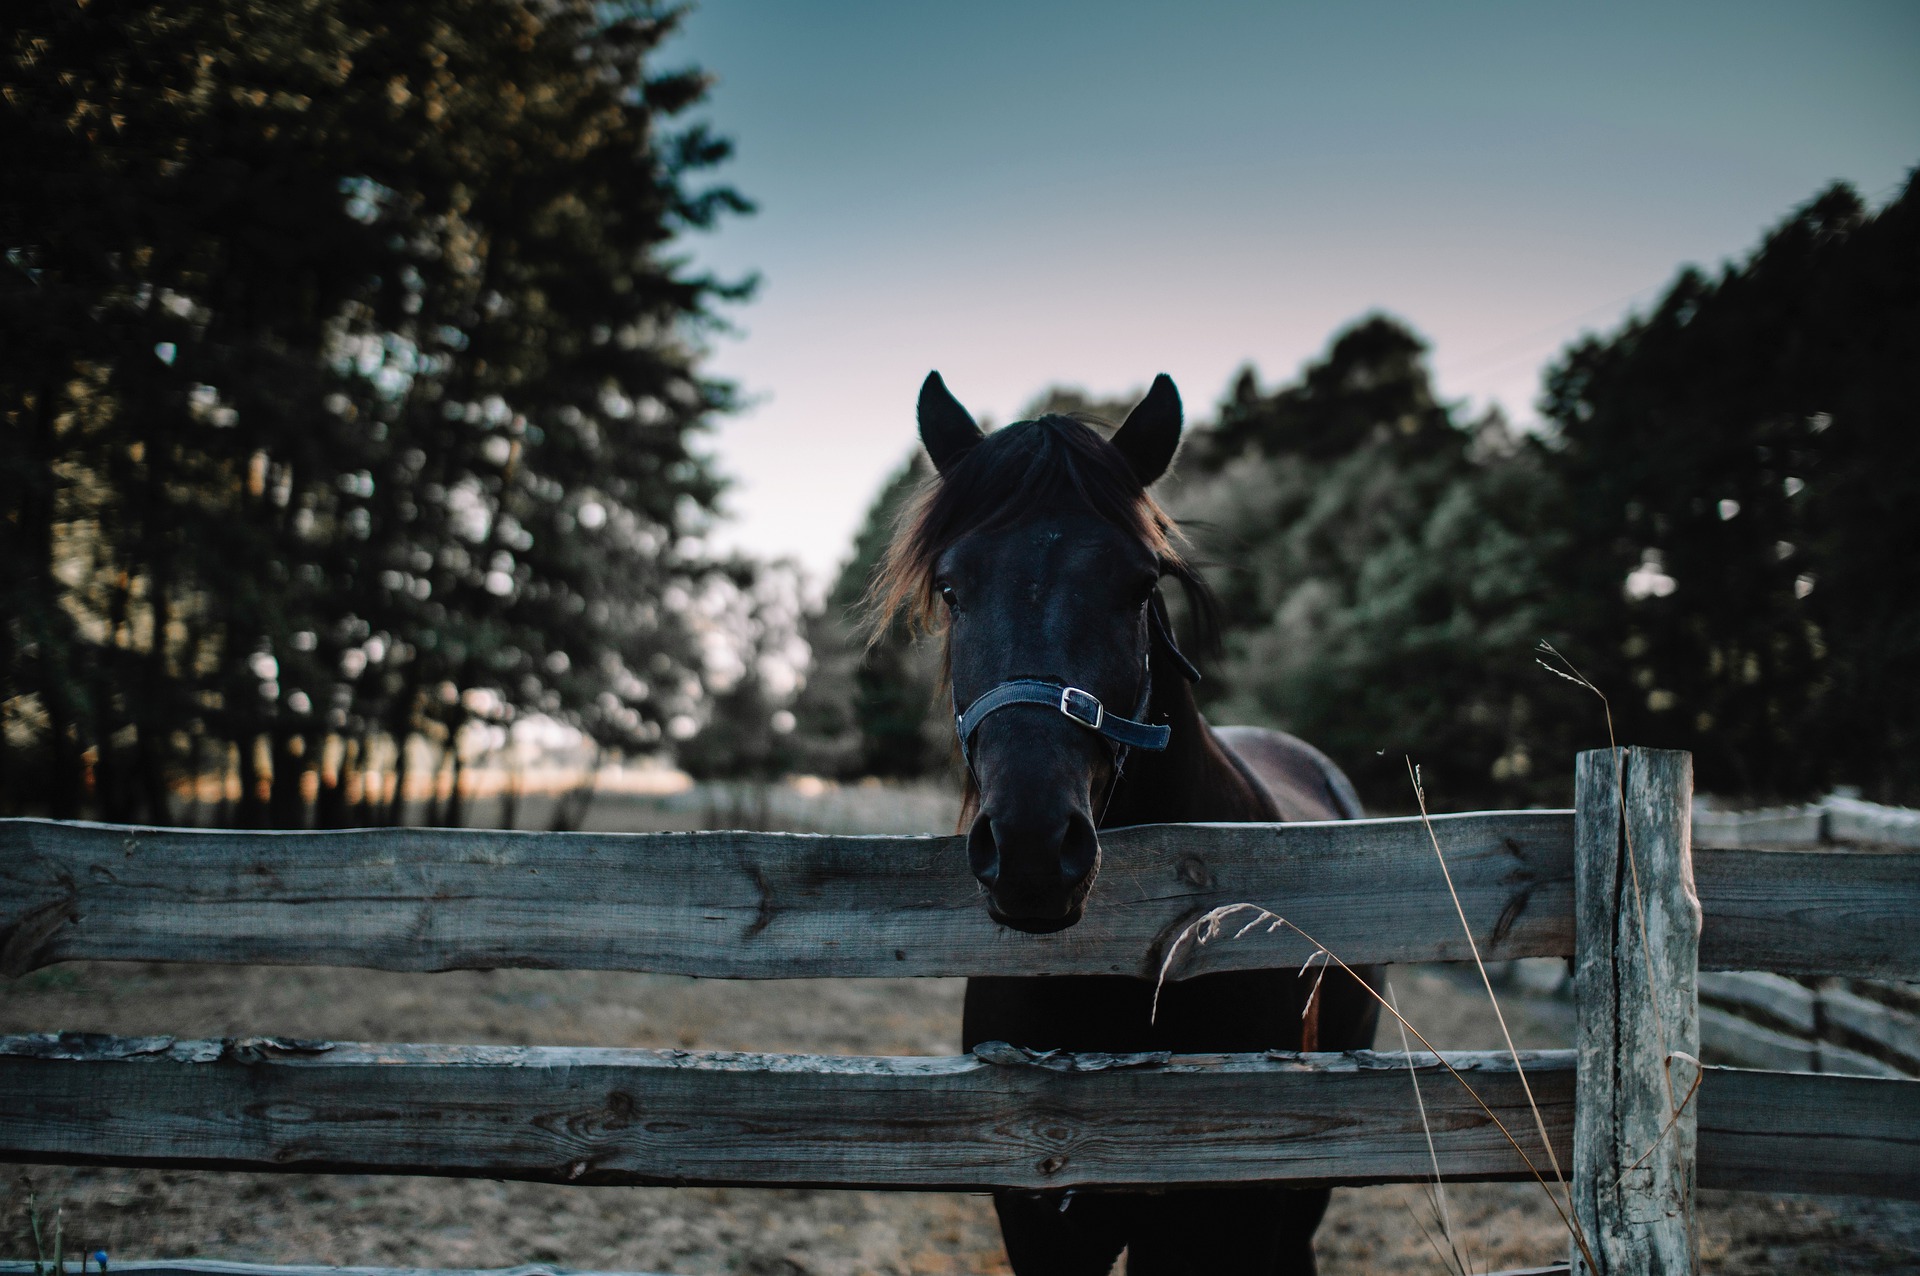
(1048, 463)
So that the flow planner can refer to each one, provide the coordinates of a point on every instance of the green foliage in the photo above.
(349, 385)
(1720, 528)
(1377, 565)
(1745, 459)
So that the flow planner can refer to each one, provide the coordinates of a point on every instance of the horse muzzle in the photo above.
(1037, 872)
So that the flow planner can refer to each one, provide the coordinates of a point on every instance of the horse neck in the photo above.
(1192, 779)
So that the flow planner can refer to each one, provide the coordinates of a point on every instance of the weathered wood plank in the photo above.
(1851, 820)
(1888, 1030)
(1779, 827)
(214, 1267)
(646, 1116)
(219, 1267)
(763, 905)
(1728, 1038)
(1636, 963)
(1794, 1007)
(678, 1117)
(1802, 1132)
(1810, 912)
(769, 905)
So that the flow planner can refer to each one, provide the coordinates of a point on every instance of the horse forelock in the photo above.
(1030, 467)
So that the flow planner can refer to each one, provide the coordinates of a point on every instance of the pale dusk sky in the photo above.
(1024, 194)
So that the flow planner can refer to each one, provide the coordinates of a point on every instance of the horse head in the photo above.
(1038, 552)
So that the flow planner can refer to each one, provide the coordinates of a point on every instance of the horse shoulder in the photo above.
(1303, 782)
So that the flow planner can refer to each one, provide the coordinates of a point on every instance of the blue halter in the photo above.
(1082, 706)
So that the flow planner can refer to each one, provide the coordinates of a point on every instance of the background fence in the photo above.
(1537, 883)
(1869, 1027)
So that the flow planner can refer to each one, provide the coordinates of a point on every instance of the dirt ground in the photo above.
(690, 1232)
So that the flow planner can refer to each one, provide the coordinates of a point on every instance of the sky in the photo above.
(1088, 192)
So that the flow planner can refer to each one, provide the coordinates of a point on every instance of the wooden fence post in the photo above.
(1636, 974)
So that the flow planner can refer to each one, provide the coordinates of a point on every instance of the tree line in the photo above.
(1717, 524)
(350, 368)
(351, 394)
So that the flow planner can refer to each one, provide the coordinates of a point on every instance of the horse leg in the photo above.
(1061, 1233)
(1261, 1231)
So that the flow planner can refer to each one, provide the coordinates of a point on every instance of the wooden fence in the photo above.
(1623, 1109)
(1867, 1027)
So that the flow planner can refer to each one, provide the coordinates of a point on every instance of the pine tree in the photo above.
(351, 386)
(1741, 476)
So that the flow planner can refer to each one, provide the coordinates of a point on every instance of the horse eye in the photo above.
(947, 595)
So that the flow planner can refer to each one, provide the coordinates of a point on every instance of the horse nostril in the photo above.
(983, 853)
(1079, 851)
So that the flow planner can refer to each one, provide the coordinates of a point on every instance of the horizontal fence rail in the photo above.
(218, 1267)
(776, 905)
(762, 905)
(1002, 1117)
(1830, 912)
(1803, 1132)
(622, 1116)
(214, 1267)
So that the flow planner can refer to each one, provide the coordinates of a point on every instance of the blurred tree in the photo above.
(1740, 479)
(1066, 400)
(350, 391)
(873, 709)
(1376, 562)
(749, 619)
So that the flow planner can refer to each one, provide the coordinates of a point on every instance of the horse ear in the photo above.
(1151, 432)
(945, 428)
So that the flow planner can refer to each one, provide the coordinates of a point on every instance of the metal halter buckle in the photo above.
(1083, 707)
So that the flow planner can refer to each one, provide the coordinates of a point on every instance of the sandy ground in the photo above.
(452, 1223)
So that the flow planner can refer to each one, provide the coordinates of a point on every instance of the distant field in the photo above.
(800, 805)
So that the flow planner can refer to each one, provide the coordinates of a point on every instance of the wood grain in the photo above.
(774, 905)
(1802, 1132)
(216, 1267)
(679, 1117)
(1810, 912)
(640, 1116)
(220, 1267)
(1635, 972)
(763, 905)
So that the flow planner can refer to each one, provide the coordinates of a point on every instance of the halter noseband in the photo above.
(1082, 706)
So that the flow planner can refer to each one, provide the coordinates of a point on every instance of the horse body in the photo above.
(1046, 551)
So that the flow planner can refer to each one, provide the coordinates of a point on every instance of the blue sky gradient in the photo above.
(1090, 193)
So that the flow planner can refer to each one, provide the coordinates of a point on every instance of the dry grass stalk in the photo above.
(1437, 1193)
(1675, 1104)
(1473, 946)
(1208, 927)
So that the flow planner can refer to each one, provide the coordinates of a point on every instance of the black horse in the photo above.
(1039, 552)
